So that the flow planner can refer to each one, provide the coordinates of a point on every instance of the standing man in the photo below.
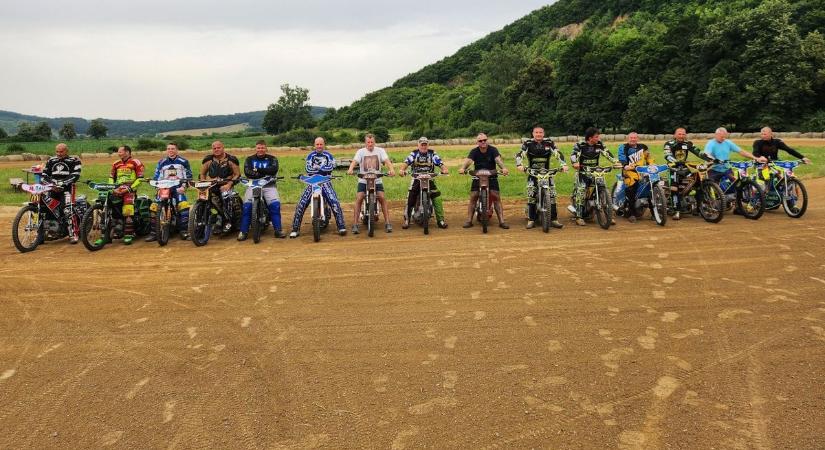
(64, 171)
(424, 160)
(371, 158)
(631, 155)
(677, 151)
(127, 173)
(255, 167)
(223, 166)
(172, 167)
(539, 153)
(485, 156)
(720, 148)
(319, 162)
(587, 154)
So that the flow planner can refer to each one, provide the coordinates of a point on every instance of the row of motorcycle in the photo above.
(749, 188)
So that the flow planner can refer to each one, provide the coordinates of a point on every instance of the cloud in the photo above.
(153, 60)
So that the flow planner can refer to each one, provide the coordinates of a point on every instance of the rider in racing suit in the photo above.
(127, 173)
(539, 153)
(319, 162)
(64, 171)
(258, 166)
(172, 167)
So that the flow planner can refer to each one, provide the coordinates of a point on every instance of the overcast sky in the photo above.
(154, 59)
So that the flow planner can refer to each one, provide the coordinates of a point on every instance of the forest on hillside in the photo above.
(645, 65)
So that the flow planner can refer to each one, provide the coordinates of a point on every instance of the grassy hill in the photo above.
(648, 65)
(9, 121)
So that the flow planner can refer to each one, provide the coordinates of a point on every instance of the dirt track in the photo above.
(691, 336)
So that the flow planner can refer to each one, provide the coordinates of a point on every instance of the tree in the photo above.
(499, 68)
(25, 132)
(42, 131)
(530, 99)
(97, 129)
(3, 134)
(67, 131)
(290, 112)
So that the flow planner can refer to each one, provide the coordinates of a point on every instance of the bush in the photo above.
(345, 137)
(150, 144)
(814, 122)
(15, 148)
(480, 126)
(112, 149)
(183, 144)
(430, 133)
(382, 134)
(300, 137)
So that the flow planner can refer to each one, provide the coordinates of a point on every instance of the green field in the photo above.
(453, 187)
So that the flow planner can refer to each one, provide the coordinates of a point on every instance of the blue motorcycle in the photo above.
(319, 209)
(650, 193)
(783, 188)
(739, 188)
(260, 214)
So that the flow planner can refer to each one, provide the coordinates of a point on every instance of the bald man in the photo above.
(769, 147)
(63, 171)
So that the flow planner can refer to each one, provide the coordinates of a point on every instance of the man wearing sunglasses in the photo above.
(485, 156)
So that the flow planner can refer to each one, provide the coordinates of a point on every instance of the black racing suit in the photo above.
(539, 155)
(676, 153)
(64, 173)
(227, 169)
(586, 155)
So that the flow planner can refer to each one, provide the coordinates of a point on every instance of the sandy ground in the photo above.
(689, 336)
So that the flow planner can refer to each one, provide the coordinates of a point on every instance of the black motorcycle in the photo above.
(205, 216)
(40, 219)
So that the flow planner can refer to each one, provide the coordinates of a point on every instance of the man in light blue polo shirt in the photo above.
(720, 148)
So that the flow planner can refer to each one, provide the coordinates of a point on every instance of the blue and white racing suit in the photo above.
(319, 163)
(176, 168)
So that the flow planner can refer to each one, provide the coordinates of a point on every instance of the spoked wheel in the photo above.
(316, 219)
(164, 223)
(795, 198)
(603, 209)
(545, 214)
(199, 226)
(750, 199)
(711, 202)
(95, 230)
(484, 216)
(371, 214)
(658, 205)
(27, 231)
(425, 211)
(257, 222)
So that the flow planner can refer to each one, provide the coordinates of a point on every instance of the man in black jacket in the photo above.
(258, 166)
(769, 147)
(63, 171)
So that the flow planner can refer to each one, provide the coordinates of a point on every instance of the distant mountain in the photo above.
(9, 121)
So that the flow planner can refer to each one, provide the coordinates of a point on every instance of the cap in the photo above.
(423, 140)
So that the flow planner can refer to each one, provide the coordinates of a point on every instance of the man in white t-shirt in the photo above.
(371, 158)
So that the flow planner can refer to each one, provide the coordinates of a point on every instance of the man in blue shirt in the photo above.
(720, 148)
(319, 162)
